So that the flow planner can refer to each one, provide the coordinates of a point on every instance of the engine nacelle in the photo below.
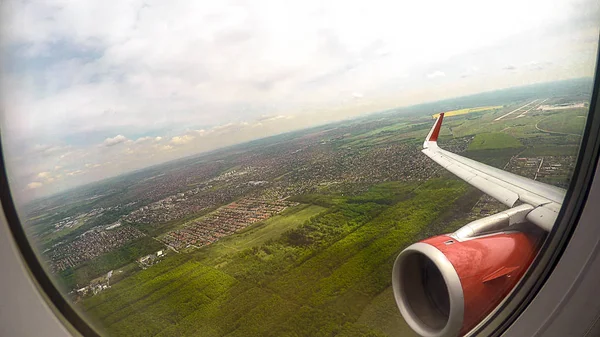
(444, 286)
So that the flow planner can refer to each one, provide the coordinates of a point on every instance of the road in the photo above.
(517, 109)
(524, 113)
(539, 168)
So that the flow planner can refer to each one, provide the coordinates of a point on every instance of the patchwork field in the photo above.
(325, 276)
(487, 141)
(571, 122)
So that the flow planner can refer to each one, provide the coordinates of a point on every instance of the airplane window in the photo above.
(351, 168)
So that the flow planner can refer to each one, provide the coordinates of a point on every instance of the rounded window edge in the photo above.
(69, 317)
(558, 239)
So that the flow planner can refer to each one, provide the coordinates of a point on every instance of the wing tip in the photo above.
(435, 130)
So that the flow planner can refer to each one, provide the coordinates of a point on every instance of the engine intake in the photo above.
(445, 285)
(428, 291)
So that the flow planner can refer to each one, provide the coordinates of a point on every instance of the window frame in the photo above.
(542, 268)
(41, 279)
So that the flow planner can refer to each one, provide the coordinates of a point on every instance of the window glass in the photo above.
(238, 168)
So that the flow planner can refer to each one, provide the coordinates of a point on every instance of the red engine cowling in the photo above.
(444, 287)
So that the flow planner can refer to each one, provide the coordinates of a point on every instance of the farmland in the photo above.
(487, 141)
(571, 122)
(292, 235)
(320, 276)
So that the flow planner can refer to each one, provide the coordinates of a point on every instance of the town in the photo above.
(89, 245)
(225, 221)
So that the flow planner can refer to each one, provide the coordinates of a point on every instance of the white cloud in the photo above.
(47, 149)
(114, 140)
(43, 175)
(46, 177)
(75, 172)
(136, 68)
(95, 69)
(436, 73)
(267, 118)
(180, 140)
(470, 71)
(34, 184)
(143, 139)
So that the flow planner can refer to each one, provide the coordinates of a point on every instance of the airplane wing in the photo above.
(506, 187)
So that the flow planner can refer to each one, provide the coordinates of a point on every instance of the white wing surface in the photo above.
(506, 187)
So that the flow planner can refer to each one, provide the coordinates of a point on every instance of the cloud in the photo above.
(48, 150)
(75, 172)
(180, 140)
(232, 128)
(34, 184)
(147, 139)
(84, 71)
(143, 139)
(470, 71)
(266, 118)
(435, 74)
(535, 65)
(46, 177)
(115, 140)
(43, 175)
(224, 127)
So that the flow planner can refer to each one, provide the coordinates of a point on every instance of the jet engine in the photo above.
(445, 285)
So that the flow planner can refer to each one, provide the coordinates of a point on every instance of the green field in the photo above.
(382, 315)
(569, 122)
(258, 234)
(489, 141)
(551, 150)
(390, 128)
(313, 271)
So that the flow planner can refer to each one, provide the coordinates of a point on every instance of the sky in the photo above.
(93, 89)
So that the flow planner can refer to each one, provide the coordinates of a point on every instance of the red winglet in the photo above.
(435, 131)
